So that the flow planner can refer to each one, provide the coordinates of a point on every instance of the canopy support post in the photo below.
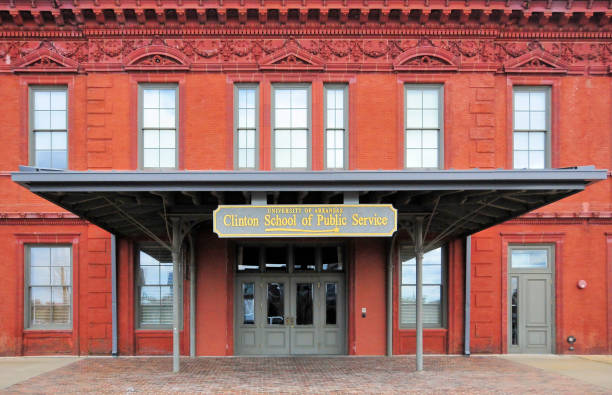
(176, 246)
(390, 295)
(418, 252)
(192, 298)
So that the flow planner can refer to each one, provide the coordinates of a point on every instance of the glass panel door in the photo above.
(275, 329)
(303, 303)
(303, 315)
(276, 303)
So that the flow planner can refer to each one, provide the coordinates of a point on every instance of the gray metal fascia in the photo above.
(313, 181)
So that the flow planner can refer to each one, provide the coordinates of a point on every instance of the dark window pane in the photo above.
(331, 297)
(276, 259)
(276, 303)
(514, 293)
(304, 258)
(331, 258)
(250, 259)
(304, 304)
(248, 298)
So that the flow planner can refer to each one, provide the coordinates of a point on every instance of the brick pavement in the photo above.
(341, 375)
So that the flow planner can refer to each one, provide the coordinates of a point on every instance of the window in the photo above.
(154, 287)
(336, 126)
(529, 257)
(433, 292)
(159, 123)
(290, 258)
(246, 122)
(531, 127)
(49, 127)
(291, 131)
(424, 121)
(49, 287)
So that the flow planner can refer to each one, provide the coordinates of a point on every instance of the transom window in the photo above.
(531, 127)
(154, 287)
(423, 126)
(159, 124)
(49, 127)
(291, 120)
(529, 258)
(433, 291)
(289, 258)
(49, 287)
(246, 126)
(336, 127)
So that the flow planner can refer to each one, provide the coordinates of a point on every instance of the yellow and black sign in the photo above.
(306, 220)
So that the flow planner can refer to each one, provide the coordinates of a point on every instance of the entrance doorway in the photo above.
(298, 312)
(531, 299)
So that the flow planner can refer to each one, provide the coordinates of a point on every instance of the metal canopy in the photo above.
(456, 203)
(435, 206)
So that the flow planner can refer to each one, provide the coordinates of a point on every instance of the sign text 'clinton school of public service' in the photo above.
(323, 220)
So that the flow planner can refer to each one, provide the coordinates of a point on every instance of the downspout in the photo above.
(114, 351)
(390, 296)
(468, 288)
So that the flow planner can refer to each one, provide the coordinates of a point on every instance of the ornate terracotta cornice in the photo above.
(342, 54)
(508, 15)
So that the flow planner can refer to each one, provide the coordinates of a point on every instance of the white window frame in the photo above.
(275, 89)
(237, 88)
(345, 129)
(33, 89)
(141, 88)
(27, 303)
(137, 288)
(406, 253)
(548, 122)
(440, 90)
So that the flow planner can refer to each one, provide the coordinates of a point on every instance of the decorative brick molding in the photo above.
(599, 218)
(40, 219)
(550, 56)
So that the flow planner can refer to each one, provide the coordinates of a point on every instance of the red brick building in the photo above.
(268, 92)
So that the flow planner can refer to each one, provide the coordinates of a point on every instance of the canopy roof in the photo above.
(456, 203)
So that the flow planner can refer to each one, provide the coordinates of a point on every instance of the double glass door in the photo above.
(298, 314)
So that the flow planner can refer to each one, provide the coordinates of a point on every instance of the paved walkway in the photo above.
(16, 370)
(593, 369)
(443, 374)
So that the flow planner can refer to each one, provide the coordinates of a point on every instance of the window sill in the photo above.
(35, 332)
